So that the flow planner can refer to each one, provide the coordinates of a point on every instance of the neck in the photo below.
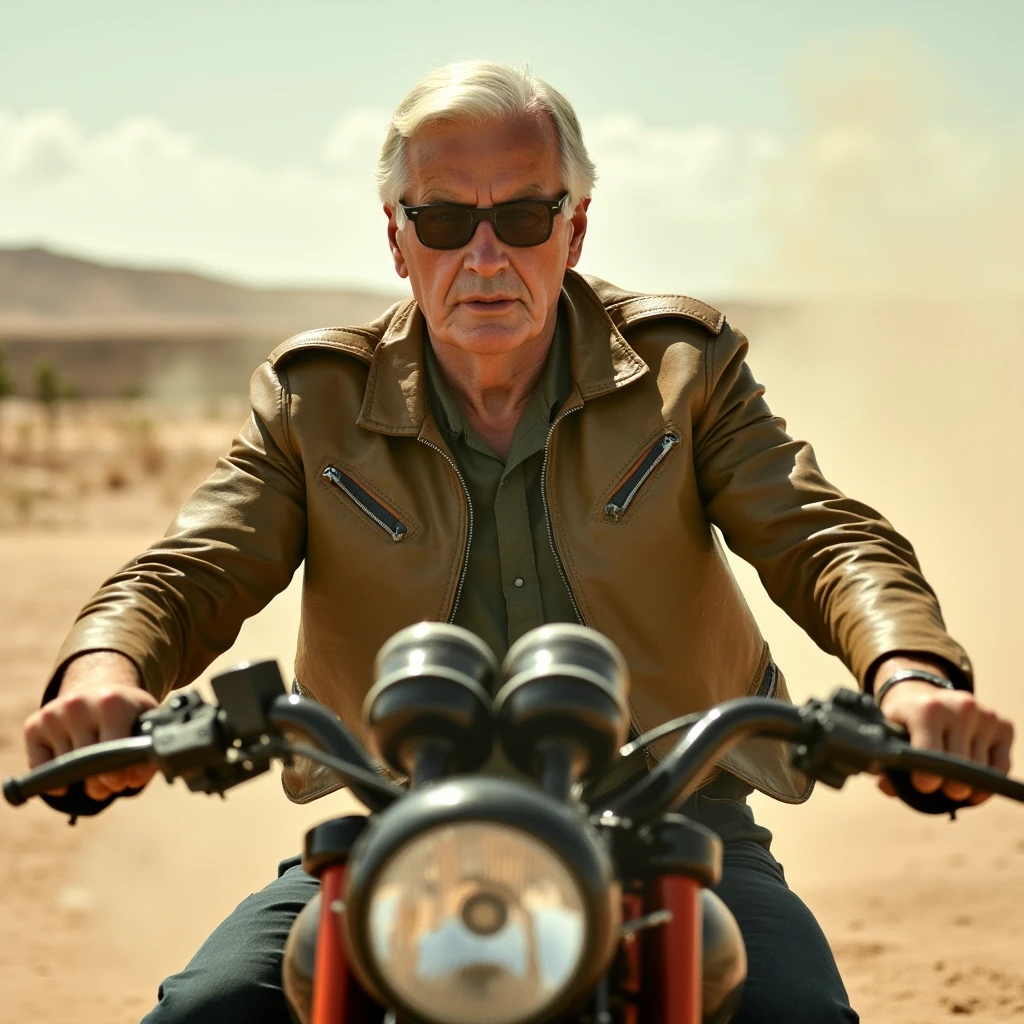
(493, 388)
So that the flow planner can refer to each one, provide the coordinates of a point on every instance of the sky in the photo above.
(742, 147)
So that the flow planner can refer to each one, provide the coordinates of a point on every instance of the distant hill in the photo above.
(44, 294)
(110, 330)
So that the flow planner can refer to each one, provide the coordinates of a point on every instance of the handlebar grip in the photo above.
(78, 765)
(13, 793)
(951, 768)
(926, 803)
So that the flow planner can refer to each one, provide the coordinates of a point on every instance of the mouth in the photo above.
(489, 306)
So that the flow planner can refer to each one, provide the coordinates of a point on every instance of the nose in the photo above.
(484, 253)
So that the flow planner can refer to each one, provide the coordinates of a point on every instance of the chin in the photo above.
(491, 338)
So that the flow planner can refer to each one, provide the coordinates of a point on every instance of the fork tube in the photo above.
(679, 955)
(330, 979)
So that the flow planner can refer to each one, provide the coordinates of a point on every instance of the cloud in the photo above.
(880, 194)
(143, 192)
(676, 209)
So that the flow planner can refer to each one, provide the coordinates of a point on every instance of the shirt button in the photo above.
(519, 581)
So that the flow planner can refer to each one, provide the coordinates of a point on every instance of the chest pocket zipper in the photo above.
(627, 490)
(376, 510)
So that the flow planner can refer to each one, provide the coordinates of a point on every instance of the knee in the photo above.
(797, 1004)
(213, 998)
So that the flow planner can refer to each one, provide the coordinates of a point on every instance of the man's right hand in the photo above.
(100, 698)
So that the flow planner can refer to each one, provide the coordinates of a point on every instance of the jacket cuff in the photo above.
(86, 638)
(895, 631)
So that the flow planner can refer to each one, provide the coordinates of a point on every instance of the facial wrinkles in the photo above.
(497, 194)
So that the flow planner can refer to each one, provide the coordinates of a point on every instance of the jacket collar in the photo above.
(395, 400)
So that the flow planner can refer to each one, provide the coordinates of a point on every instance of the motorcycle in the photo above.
(467, 898)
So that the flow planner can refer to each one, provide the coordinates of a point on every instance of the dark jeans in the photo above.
(792, 979)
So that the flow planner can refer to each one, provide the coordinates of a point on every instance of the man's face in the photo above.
(487, 297)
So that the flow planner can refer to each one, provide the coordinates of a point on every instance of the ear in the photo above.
(401, 268)
(578, 223)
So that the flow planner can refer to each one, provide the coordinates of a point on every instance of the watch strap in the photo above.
(912, 673)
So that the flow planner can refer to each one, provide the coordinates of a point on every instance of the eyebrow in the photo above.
(442, 195)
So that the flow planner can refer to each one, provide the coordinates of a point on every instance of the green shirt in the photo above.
(513, 582)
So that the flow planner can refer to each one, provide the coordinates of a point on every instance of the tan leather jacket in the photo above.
(661, 374)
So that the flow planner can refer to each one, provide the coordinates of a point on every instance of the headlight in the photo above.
(476, 924)
(469, 921)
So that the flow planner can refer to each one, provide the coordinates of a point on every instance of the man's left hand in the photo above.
(951, 721)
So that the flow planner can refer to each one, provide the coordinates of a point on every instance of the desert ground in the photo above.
(913, 410)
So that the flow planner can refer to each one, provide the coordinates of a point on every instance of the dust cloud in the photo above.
(896, 240)
(894, 187)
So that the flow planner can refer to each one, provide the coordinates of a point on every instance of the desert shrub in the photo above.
(6, 380)
(141, 442)
(115, 478)
(24, 442)
(47, 385)
(153, 457)
(23, 499)
(6, 390)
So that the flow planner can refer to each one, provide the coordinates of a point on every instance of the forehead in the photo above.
(483, 163)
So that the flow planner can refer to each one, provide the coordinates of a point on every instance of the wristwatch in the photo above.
(912, 673)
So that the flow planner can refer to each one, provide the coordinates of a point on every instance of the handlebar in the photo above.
(675, 778)
(216, 747)
(830, 741)
(344, 755)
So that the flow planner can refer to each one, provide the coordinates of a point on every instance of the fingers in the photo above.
(962, 731)
(83, 717)
(1000, 755)
(928, 731)
(81, 723)
(992, 746)
(46, 738)
(116, 719)
(97, 789)
(952, 722)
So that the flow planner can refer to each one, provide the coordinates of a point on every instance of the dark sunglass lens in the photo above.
(523, 223)
(444, 227)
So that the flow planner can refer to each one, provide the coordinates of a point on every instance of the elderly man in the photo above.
(519, 445)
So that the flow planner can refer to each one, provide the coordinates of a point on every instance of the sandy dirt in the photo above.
(926, 916)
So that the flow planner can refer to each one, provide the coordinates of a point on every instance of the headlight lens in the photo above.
(476, 923)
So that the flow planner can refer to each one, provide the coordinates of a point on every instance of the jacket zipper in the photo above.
(547, 511)
(469, 529)
(626, 491)
(379, 513)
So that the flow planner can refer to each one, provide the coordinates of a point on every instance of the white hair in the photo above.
(478, 91)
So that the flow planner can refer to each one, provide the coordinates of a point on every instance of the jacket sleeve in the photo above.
(234, 544)
(836, 566)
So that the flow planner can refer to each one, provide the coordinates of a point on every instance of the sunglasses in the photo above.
(520, 224)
